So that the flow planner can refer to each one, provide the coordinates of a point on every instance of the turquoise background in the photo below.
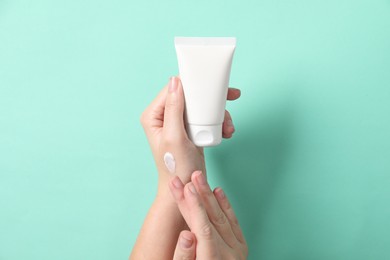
(307, 170)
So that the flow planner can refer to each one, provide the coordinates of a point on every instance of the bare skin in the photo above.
(163, 124)
(215, 232)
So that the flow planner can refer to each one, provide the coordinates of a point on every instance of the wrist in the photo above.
(163, 195)
(165, 206)
(183, 171)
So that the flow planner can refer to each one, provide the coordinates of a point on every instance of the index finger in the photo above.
(153, 115)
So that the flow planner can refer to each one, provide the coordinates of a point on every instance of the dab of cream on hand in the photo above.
(170, 162)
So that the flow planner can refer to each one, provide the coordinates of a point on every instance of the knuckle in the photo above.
(234, 221)
(170, 104)
(227, 206)
(206, 193)
(206, 232)
(220, 219)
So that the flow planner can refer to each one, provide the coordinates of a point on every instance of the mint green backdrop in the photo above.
(307, 170)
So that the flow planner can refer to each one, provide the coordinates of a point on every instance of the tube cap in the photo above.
(205, 135)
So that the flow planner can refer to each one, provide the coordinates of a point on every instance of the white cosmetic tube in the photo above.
(204, 68)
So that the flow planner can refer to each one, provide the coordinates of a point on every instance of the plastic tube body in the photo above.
(204, 68)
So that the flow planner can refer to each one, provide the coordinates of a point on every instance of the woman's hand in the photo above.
(215, 232)
(163, 122)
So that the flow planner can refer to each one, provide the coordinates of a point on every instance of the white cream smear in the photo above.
(170, 162)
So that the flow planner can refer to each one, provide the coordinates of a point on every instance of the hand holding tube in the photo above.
(163, 122)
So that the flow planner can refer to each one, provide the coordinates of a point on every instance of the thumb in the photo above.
(185, 247)
(174, 109)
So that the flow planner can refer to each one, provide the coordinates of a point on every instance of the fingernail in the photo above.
(201, 178)
(230, 123)
(177, 183)
(173, 84)
(220, 193)
(191, 187)
(186, 242)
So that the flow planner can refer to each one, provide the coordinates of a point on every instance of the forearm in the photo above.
(160, 231)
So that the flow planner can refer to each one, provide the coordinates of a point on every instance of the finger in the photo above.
(233, 93)
(153, 116)
(174, 110)
(227, 126)
(185, 247)
(189, 203)
(159, 101)
(200, 223)
(177, 189)
(214, 212)
(229, 213)
(192, 209)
